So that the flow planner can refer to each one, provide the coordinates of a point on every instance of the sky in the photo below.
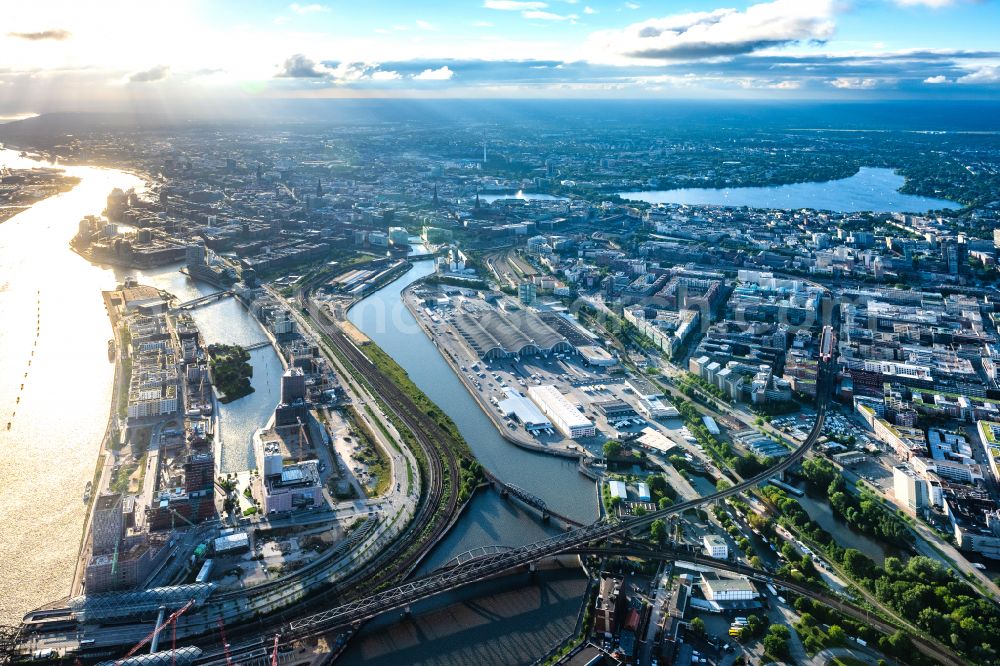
(73, 55)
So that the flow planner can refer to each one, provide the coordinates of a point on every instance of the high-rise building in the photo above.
(954, 253)
(195, 254)
(527, 292)
(293, 386)
(910, 489)
(108, 523)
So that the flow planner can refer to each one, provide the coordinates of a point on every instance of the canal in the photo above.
(819, 510)
(383, 317)
(513, 620)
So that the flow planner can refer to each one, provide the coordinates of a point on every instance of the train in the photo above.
(826, 344)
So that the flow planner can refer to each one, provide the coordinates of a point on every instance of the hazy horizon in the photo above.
(65, 56)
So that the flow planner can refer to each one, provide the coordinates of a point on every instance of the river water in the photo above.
(58, 418)
(383, 317)
(819, 510)
(870, 189)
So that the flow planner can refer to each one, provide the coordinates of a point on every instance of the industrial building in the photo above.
(561, 412)
(728, 589)
(525, 411)
(494, 335)
(910, 490)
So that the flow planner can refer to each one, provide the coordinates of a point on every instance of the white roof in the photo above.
(654, 439)
(523, 409)
(555, 403)
(231, 542)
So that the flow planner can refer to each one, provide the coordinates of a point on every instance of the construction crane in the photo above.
(172, 620)
(302, 434)
(173, 512)
(225, 643)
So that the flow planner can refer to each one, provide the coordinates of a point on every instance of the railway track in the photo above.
(396, 562)
(435, 443)
(924, 644)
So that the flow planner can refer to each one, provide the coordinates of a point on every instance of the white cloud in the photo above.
(547, 16)
(307, 9)
(985, 74)
(425, 25)
(722, 32)
(936, 79)
(632, 5)
(441, 74)
(513, 5)
(936, 4)
(383, 75)
(852, 83)
(589, 10)
(482, 24)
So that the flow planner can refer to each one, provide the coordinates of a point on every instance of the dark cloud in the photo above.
(703, 50)
(55, 35)
(300, 67)
(157, 73)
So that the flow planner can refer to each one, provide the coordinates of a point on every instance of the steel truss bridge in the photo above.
(495, 563)
(511, 490)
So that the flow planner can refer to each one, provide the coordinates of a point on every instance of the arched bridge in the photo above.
(474, 554)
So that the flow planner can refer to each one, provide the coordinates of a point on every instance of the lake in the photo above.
(870, 189)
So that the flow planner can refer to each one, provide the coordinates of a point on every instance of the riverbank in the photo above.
(51, 456)
(490, 413)
(103, 472)
(385, 319)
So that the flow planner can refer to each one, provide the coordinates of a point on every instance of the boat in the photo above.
(86, 491)
(111, 350)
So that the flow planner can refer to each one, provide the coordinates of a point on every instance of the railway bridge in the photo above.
(510, 490)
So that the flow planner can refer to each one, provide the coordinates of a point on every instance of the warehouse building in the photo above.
(525, 411)
(728, 589)
(563, 414)
(494, 335)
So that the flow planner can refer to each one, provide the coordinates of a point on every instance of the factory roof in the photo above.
(555, 403)
(509, 332)
(525, 410)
